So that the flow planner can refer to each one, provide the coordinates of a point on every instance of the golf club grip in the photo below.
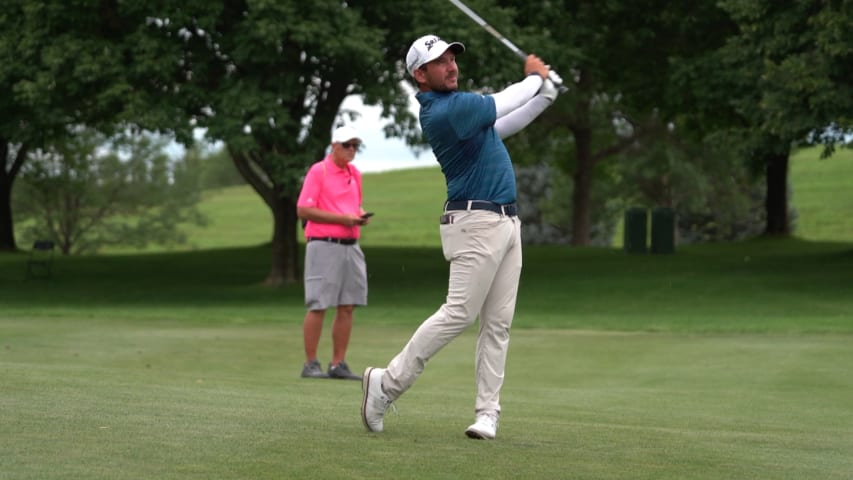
(557, 81)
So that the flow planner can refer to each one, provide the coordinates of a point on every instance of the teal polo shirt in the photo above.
(459, 127)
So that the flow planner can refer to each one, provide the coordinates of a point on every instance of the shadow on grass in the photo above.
(753, 285)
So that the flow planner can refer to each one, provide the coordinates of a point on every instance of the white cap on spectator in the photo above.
(345, 133)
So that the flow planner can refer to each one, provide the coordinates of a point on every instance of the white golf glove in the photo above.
(548, 90)
(558, 80)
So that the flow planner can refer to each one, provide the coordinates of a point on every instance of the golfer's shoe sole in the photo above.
(365, 387)
(475, 435)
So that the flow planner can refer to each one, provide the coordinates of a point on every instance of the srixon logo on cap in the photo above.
(432, 41)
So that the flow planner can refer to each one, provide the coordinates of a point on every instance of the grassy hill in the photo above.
(823, 195)
(407, 203)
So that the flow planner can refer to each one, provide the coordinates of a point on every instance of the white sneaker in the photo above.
(485, 428)
(375, 401)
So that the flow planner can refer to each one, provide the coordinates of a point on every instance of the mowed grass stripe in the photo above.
(765, 285)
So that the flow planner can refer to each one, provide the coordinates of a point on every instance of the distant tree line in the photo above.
(87, 192)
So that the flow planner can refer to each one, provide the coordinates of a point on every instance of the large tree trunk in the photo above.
(582, 191)
(7, 179)
(582, 175)
(284, 269)
(776, 200)
(7, 226)
(285, 249)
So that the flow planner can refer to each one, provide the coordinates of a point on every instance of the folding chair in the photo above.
(40, 263)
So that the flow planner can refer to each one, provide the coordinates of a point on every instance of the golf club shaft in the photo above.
(519, 52)
(477, 19)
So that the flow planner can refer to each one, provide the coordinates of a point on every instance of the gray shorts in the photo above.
(334, 275)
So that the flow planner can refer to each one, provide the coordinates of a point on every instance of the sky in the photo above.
(379, 154)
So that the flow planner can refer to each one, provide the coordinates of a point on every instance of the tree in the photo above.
(806, 82)
(771, 73)
(713, 193)
(615, 58)
(784, 78)
(268, 79)
(62, 67)
(87, 192)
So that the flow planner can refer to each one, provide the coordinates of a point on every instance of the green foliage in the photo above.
(616, 58)
(797, 57)
(715, 197)
(547, 215)
(60, 66)
(272, 79)
(268, 77)
(216, 169)
(781, 78)
(64, 65)
(88, 192)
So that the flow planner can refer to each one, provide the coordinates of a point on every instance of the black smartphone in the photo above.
(367, 215)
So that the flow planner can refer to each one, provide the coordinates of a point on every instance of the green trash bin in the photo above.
(636, 220)
(663, 230)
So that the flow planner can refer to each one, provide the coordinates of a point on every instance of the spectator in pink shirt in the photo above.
(335, 269)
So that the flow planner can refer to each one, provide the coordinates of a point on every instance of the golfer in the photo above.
(480, 230)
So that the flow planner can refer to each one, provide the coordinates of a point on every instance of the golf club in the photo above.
(558, 82)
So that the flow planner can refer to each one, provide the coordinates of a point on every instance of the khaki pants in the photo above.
(484, 251)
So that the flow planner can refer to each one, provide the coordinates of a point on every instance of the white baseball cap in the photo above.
(345, 133)
(427, 49)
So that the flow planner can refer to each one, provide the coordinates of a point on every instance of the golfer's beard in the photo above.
(442, 87)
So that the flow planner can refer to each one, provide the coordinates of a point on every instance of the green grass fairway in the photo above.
(726, 361)
(98, 399)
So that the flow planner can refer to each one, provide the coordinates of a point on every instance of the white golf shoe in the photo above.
(485, 428)
(375, 401)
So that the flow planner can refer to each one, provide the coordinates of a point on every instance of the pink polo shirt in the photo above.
(333, 189)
